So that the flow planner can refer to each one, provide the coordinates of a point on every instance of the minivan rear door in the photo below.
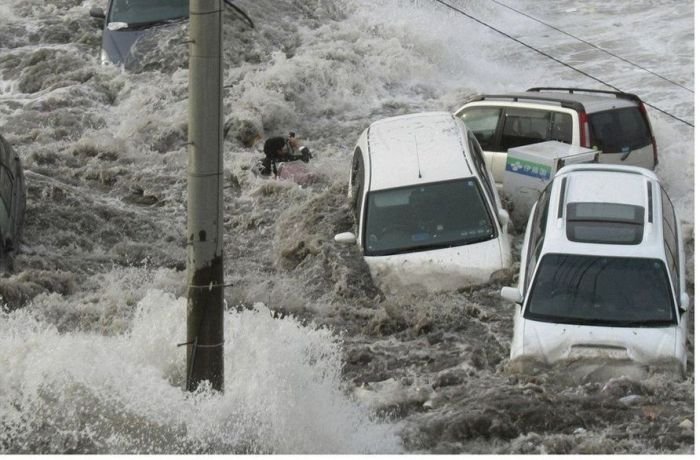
(623, 136)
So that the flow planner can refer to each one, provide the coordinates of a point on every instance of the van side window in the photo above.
(477, 156)
(539, 224)
(561, 127)
(483, 122)
(530, 126)
(671, 241)
(357, 182)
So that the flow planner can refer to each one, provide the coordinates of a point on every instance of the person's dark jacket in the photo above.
(272, 146)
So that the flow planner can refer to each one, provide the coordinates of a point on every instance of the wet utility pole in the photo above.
(205, 311)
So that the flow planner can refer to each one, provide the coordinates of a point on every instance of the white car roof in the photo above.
(605, 184)
(417, 148)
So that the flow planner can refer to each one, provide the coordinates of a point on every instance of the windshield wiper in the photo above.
(159, 22)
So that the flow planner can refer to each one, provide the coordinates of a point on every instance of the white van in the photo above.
(612, 122)
(602, 272)
(426, 208)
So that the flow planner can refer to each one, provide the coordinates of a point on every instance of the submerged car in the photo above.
(13, 198)
(602, 271)
(426, 208)
(612, 122)
(128, 21)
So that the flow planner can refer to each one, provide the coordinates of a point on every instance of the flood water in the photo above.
(317, 359)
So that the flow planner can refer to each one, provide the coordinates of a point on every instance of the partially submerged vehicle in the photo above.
(12, 204)
(426, 208)
(612, 122)
(602, 272)
(128, 21)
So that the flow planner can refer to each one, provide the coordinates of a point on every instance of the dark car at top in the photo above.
(13, 198)
(126, 22)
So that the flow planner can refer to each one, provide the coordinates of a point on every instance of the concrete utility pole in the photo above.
(205, 263)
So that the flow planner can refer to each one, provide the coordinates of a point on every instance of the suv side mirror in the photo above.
(685, 301)
(97, 12)
(512, 294)
(346, 238)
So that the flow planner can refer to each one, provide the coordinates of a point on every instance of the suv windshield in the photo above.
(609, 291)
(135, 12)
(619, 130)
(426, 216)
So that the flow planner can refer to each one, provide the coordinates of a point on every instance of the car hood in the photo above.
(439, 269)
(119, 44)
(552, 342)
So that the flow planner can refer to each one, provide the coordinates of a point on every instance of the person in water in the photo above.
(279, 149)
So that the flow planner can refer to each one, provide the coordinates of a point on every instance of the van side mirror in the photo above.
(346, 238)
(685, 301)
(512, 294)
(97, 12)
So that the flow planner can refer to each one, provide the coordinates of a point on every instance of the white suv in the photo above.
(602, 271)
(613, 122)
(426, 207)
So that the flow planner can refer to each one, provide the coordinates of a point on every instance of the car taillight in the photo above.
(583, 129)
(643, 111)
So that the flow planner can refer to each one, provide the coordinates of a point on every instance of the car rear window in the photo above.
(619, 130)
(604, 223)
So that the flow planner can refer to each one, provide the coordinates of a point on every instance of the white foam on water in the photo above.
(283, 390)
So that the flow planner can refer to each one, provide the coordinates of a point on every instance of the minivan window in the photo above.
(477, 156)
(530, 126)
(537, 231)
(595, 290)
(671, 240)
(426, 216)
(619, 130)
(357, 182)
(483, 122)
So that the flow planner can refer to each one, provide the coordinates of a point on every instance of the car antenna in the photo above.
(415, 141)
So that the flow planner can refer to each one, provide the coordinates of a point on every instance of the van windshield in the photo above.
(427, 216)
(595, 290)
(619, 130)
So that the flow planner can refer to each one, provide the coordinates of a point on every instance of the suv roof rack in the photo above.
(549, 98)
(618, 94)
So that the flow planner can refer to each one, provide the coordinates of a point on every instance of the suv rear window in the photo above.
(605, 223)
(619, 130)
